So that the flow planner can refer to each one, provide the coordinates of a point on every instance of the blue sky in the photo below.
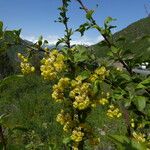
(36, 17)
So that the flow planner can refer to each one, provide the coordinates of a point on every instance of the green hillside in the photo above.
(133, 35)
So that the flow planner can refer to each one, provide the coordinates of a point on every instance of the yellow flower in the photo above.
(132, 123)
(100, 71)
(52, 65)
(26, 67)
(58, 89)
(103, 101)
(77, 135)
(75, 146)
(63, 119)
(64, 82)
(66, 127)
(113, 112)
(93, 77)
(139, 137)
(81, 102)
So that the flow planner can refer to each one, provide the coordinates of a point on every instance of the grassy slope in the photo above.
(133, 34)
(28, 104)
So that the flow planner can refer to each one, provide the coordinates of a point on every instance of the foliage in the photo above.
(131, 36)
(79, 84)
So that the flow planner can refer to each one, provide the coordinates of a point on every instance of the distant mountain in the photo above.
(134, 41)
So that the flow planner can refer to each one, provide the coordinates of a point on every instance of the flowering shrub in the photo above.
(26, 67)
(78, 85)
(52, 64)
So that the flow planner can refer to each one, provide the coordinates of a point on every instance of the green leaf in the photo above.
(135, 145)
(78, 57)
(144, 84)
(85, 74)
(40, 38)
(121, 39)
(20, 128)
(40, 42)
(110, 54)
(83, 28)
(127, 103)
(120, 138)
(89, 14)
(140, 102)
(126, 77)
(66, 140)
(1, 29)
(108, 20)
(17, 32)
(115, 49)
(81, 55)
(60, 41)
(120, 141)
(1, 26)
(96, 87)
(45, 42)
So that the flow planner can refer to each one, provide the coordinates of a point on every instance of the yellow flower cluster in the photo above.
(139, 137)
(52, 65)
(64, 119)
(138, 125)
(99, 73)
(103, 101)
(75, 146)
(113, 112)
(80, 93)
(58, 89)
(132, 123)
(26, 67)
(77, 134)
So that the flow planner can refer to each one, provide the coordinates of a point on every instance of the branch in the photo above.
(66, 26)
(2, 138)
(104, 36)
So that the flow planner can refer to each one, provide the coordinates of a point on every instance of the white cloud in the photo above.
(85, 40)
(30, 38)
